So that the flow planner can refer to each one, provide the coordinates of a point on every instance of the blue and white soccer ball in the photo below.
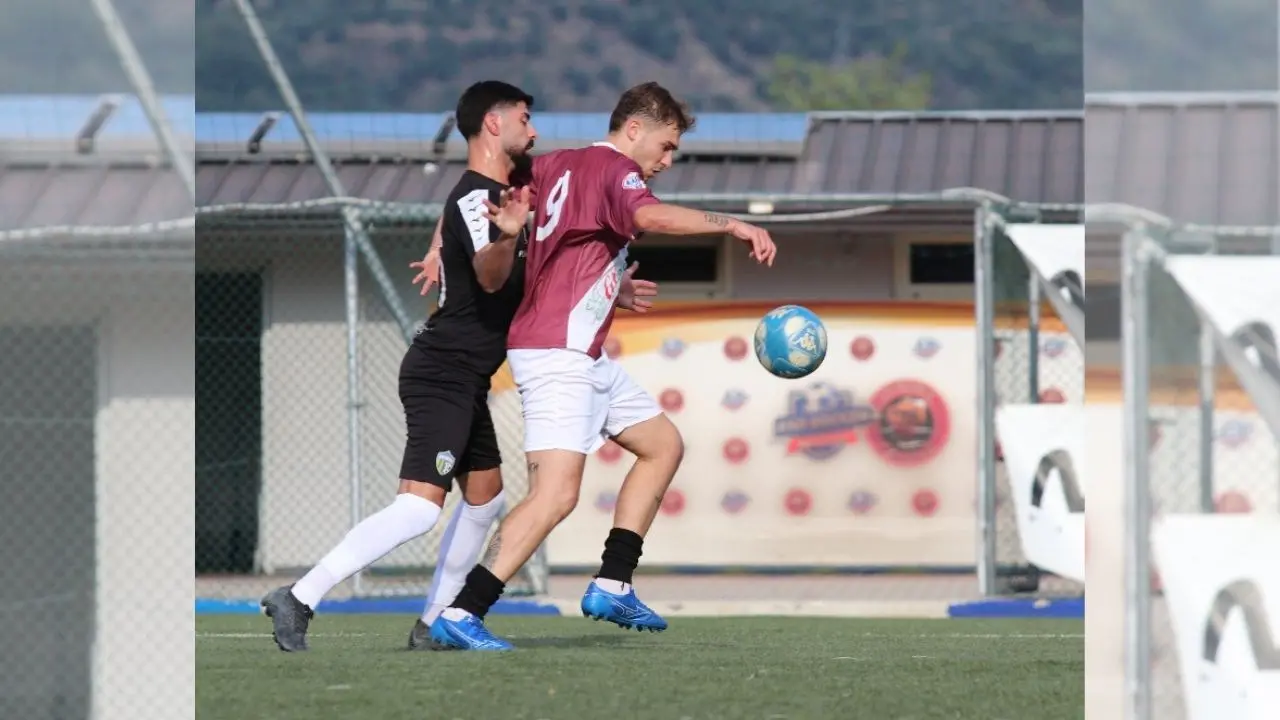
(791, 341)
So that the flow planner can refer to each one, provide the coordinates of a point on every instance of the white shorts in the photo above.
(572, 402)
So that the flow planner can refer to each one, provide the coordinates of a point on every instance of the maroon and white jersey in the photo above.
(584, 220)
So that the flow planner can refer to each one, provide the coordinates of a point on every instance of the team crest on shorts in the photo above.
(444, 462)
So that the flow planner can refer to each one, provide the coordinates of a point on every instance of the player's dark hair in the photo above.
(483, 98)
(652, 102)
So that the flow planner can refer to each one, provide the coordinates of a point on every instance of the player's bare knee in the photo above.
(480, 487)
(657, 441)
(561, 502)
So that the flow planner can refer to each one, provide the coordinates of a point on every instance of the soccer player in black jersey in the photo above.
(445, 377)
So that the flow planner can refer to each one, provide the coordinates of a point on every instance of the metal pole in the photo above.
(140, 79)
(1135, 342)
(350, 216)
(351, 284)
(1033, 337)
(984, 308)
(1208, 389)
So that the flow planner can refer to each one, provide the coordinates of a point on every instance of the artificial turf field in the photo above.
(700, 669)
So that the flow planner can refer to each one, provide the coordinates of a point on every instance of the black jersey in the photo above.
(470, 325)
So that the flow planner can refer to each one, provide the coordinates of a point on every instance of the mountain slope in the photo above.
(577, 55)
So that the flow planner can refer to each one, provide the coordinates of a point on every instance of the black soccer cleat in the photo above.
(420, 638)
(289, 619)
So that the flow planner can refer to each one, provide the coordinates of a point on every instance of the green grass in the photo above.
(700, 669)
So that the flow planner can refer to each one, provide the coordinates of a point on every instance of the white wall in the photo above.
(145, 468)
(306, 502)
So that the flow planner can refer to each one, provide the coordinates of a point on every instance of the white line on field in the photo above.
(884, 636)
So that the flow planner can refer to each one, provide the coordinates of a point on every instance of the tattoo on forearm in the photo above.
(715, 219)
(491, 553)
(533, 474)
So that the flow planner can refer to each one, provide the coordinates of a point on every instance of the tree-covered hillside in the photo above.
(721, 54)
(59, 46)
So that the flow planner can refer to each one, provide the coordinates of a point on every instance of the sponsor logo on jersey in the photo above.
(633, 181)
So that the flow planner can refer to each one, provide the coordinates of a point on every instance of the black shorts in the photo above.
(449, 429)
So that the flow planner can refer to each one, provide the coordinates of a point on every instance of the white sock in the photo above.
(407, 517)
(459, 550)
(455, 614)
(617, 587)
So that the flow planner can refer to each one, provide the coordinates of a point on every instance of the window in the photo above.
(689, 267)
(940, 263)
(674, 264)
(933, 267)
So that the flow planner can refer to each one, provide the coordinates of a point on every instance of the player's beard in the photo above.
(522, 164)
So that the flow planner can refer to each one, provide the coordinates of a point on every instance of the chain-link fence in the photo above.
(95, 440)
(1034, 356)
(297, 452)
(96, 414)
(1211, 431)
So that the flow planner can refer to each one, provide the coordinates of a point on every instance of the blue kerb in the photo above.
(1071, 608)
(370, 606)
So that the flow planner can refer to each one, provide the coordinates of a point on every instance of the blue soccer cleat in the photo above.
(468, 633)
(625, 611)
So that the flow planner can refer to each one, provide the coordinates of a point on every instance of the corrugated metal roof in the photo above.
(1211, 159)
(33, 196)
(1027, 156)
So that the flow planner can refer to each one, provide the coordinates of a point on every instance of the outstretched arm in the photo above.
(629, 208)
(675, 220)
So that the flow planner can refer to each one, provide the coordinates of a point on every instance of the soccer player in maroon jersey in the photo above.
(590, 204)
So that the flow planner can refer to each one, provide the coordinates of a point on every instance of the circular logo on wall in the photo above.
(1154, 433)
(606, 501)
(609, 452)
(673, 502)
(1052, 396)
(733, 399)
(862, 502)
(612, 347)
(672, 348)
(912, 424)
(736, 450)
(798, 502)
(1234, 433)
(735, 348)
(1231, 502)
(862, 348)
(1053, 347)
(925, 502)
(735, 501)
(926, 347)
(671, 400)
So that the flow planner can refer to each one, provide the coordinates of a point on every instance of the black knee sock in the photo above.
(621, 555)
(480, 592)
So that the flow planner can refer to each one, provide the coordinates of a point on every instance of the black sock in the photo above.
(480, 592)
(621, 555)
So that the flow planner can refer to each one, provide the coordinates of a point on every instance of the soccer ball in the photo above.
(791, 341)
